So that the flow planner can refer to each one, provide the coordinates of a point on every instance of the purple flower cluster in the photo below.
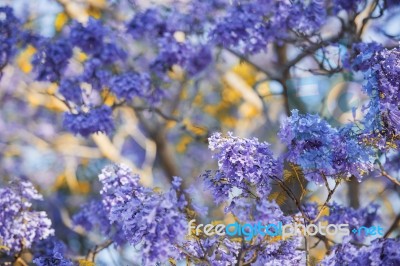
(151, 22)
(9, 29)
(51, 59)
(381, 72)
(130, 85)
(280, 253)
(95, 74)
(70, 89)
(251, 25)
(357, 217)
(263, 210)
(95, 120)
(91, 38)
(156, 221)
(382, 251)
(323, 151)
(50, 252)
(213, 250)
(192, 58)
(347, 5)
(245, 164)
(93, 215)
(20, 227)
(340, 214)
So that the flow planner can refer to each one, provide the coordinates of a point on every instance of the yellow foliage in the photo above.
(94, 12)
(275, 238)
(83, 262)
(84, 187)
(325, 211)
(198, 99)
(24, 59)
(61, 20)
(246, 72)
(109, 99)
(230, 95)
(183, 142)
(170, 124)
(248, 110)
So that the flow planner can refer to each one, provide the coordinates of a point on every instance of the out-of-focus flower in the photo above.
(9, 35)
(86, 123)
(71, 90)
(130, 85)
(51, 59)
(382, 251)
(50, 252)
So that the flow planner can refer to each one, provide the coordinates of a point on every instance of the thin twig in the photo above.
(97, 249)
(328, 198)
(385, 174)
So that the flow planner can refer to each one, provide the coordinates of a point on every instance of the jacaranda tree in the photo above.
(125, 126)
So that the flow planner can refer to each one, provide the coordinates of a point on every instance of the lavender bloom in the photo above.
(281, 253)
(382, 251)
(350, 155)
(95, 74)
(201, 13)
(130, 85)
(307, 18)
(245, 164)
(213, 250)
(310, 141)
(192, 58)
(381, 72)
(51, 59)
(90, 37)
(71, 90)
(170, 53)
(310, 209)
(354, 217)
(21, 227)
(110, 53)
(245, 24)
(93, 215)
(257, 210)
(155, 221)
(198, 59)
(9, 30)
(251, 25)
(347, 5)
(150, 22)
(323, 151)
(50, 252)
(86, 123)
